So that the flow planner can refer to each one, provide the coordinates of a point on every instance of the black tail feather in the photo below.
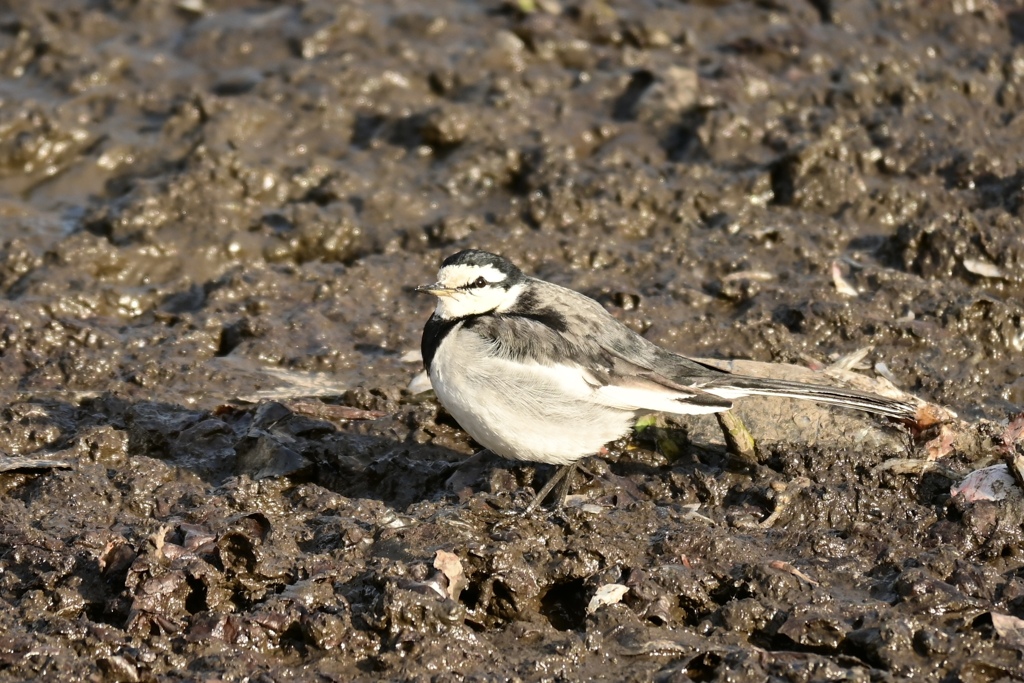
(850, 398)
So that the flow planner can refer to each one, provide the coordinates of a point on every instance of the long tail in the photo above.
(736, 386)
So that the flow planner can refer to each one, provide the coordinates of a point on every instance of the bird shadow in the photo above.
(267, 440)
(394, 457)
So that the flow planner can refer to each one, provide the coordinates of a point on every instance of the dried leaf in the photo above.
(9, 464)
(420, 384)
(1008, 627)
(918, 467)
(982, 267)
(883, 370)
(787, 567)
(988, 483)
(1014, 433)
(608, 594)
(413, 356)
(755, 275)
(842, 286)
(941, 445)
(330, 412)
(450, 565)
(277, 384)
(158, 538)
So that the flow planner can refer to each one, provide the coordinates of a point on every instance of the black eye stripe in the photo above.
(475, 284)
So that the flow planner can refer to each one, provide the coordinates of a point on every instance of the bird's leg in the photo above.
(563, 490)
(543, 493)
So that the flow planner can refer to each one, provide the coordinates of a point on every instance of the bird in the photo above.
(540, 373)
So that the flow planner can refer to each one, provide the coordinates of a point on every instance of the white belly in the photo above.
(519, 411)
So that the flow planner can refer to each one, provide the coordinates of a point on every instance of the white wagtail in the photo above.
(540, 373)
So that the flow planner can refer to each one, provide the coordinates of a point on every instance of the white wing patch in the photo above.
(642, 395)
(632, 393)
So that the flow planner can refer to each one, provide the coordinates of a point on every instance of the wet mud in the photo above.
(212, 215)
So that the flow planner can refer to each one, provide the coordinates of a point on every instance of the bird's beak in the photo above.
(436, 289)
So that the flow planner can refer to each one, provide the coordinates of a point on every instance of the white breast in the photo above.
(522, 411)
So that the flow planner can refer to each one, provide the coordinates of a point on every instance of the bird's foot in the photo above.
(562, 474)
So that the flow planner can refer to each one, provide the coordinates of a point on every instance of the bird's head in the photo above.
(473, 282)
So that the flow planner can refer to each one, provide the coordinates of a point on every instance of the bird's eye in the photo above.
(479, 282)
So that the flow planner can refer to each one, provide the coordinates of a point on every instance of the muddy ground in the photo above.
(213, 211)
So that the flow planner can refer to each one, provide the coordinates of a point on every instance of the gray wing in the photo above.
(586, 326)
(556, 325)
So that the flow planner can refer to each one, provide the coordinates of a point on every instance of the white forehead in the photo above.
(464, 273)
